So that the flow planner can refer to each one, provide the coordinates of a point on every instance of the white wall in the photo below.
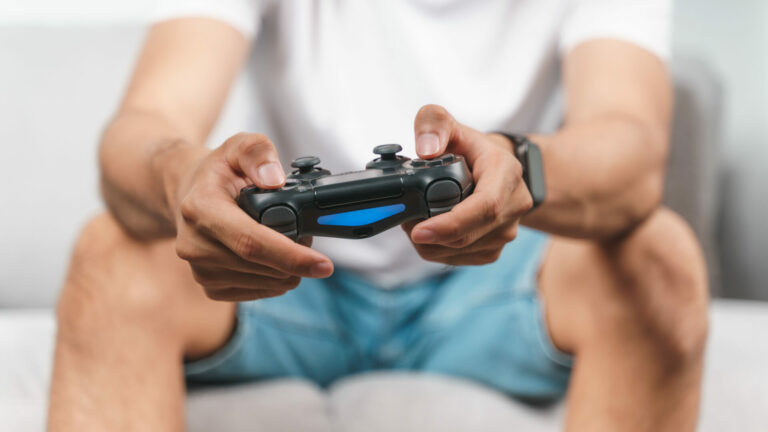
(42, 80)
(73, 11)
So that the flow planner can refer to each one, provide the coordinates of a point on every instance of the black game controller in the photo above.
(391, 190)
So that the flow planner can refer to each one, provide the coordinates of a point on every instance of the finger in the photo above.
(306, 241)
(492, 241)
(255, 156)
(242, 294)
(219, 278)
(469, 220)
(437, 132)
(219, 217)
(408, 226)
(434, 128)
(202, 251)
(480, 258)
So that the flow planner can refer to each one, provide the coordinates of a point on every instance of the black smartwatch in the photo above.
(529, 155)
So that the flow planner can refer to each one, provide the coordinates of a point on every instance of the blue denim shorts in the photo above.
(483, 323)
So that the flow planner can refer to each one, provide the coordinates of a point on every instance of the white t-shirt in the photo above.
(336, 78)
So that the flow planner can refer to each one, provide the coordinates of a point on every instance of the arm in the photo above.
(159, 181)
(177, 90)
(604, 167)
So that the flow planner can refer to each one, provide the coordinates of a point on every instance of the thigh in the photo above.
(115, 280)
(128, 313)
(485, 324)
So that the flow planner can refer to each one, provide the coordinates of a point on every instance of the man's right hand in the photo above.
(232, 256)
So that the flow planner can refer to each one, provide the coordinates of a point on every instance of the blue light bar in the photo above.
(361, 217)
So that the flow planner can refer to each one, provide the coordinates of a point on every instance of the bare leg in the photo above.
(129, 313)
(634, 312)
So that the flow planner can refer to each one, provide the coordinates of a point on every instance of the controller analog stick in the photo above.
(387, 151)
(305, 164)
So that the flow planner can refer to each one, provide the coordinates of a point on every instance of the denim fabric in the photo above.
(482, 323)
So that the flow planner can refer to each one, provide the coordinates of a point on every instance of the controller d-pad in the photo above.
(442, 195)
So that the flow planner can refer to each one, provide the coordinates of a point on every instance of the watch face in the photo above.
(535, 173)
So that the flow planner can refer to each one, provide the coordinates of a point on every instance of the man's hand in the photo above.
(477, 229)
(232, 256)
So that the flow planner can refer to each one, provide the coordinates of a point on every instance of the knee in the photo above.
(107, 281)
(663, 274)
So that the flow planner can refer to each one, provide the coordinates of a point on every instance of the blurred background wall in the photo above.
(63, 65)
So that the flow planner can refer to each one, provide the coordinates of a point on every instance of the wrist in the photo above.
(529, 155)
(172, 164)
(502, 141)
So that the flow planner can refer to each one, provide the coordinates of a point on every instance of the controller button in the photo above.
(448, 158)
(280, 218)
(434, 162)
(417, 163)
(305, 164)
(442, 195)
(387, 151)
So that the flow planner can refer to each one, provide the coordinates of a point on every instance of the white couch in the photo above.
(57, 88)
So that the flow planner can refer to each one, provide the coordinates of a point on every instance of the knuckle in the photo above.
(452, 231)
(462, 242)
(491, 256)
(190, 208)
(248, 247)
(268, 294)
(217, 294)
(201, 278)
(516, 167)
(426, 253)
(527, 202)
(254, 143)
(297, 265)
(186, 252)
(288, 283)
(509, 235)
(491, 209)
(434, 113)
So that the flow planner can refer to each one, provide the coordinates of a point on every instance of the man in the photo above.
(617, 283)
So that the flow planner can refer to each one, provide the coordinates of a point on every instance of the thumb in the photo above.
(255, 156)
(434, 128)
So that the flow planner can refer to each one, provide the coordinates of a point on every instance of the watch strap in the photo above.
(529, 155)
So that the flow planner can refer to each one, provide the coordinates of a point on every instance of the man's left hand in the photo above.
(476, 230)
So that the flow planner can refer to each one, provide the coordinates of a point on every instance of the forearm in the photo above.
(603, 177)
(142, 157)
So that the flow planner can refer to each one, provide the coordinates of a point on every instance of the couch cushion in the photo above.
(735, 389)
